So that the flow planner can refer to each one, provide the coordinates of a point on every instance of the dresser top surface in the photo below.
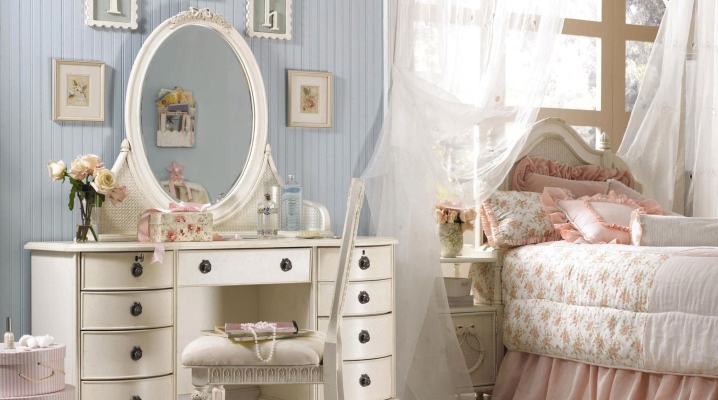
(217, 245)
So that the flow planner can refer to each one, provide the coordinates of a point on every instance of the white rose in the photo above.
(78, 170)
(104, 180)
(91, 162)
(56, 170)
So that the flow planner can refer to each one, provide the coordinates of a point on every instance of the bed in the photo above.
(602, 321)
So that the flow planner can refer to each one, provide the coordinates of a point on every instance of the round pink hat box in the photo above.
(35, 372)
(67, 394)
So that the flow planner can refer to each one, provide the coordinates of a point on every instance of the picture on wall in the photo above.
(270, 19)
(78, 90)
(112, 13)
(309, 99)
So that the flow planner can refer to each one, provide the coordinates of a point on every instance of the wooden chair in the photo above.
(217, 361)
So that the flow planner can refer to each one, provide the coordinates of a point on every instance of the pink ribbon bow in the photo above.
(143, 226)
(176, 177)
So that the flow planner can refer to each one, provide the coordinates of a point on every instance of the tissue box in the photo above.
(180, 227)
(18, 370)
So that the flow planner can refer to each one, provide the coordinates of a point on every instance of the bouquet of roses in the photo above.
(92, 184)
(456, 212)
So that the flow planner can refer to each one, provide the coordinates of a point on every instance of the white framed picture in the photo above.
(271, 19)
(78, 90)
(112, 13)
(309, 99)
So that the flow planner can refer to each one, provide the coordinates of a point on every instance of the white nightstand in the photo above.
(477, 327)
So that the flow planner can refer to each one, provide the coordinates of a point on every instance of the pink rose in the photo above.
(179, 218)
(190, 227)
(117, 194)
(171, 236)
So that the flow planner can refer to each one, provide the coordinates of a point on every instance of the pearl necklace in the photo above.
(262, 325)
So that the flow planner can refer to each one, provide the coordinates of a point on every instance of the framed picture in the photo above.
(78, 90)
(309, 99)
(271, 19)
(112, 13)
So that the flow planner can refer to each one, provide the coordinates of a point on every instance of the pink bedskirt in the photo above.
(530, 376)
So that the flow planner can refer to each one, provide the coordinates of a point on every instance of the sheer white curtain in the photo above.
(672, 135)
(455, 125)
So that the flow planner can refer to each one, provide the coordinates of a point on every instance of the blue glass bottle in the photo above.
(291, 206)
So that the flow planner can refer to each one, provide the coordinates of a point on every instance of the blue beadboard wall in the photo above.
(340, 36)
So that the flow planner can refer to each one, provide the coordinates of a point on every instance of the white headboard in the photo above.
(553, 138)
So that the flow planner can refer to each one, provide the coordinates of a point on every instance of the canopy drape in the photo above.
(456, 123)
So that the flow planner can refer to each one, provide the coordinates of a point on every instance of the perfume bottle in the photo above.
(9, 336)
(267, 217)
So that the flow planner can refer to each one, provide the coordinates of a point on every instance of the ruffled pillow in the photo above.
(511, 219)
(546, 166)
(594, 219)
(537, 182)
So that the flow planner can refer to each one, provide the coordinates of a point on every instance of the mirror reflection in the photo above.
(196, 115)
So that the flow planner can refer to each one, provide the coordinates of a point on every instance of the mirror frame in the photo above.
(150, 185)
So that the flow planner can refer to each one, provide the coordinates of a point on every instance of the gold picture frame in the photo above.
(78, 90)
(309, 99)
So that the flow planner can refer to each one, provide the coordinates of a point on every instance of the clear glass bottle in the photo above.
(267, 217)
(291, 205)
(9, 336)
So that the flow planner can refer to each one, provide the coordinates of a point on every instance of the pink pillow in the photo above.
(546, 166)
(511, 219)
(537, 183)
(594, 219)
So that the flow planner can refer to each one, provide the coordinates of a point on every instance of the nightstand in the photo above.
(477, 327)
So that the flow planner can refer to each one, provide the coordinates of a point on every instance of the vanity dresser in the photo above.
(126, 319)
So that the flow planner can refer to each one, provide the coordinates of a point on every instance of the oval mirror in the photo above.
(196, 113)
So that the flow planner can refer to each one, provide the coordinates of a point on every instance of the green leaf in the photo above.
(71, 204)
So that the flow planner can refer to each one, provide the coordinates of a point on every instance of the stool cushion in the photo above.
(218, 351)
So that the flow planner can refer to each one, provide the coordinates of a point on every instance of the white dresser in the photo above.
(125, 320)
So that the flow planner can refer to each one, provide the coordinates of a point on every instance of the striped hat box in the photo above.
(34, 372)
(67, 394)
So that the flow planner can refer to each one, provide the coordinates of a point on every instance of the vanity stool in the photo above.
(216, 361)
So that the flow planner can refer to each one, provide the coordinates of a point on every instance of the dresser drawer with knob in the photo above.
(365, 337)
(370, 297)
(369, 263)
(367, 380)
(126, 271)
(126, 355)
(127, 310)
(244, 267)
(161, 388)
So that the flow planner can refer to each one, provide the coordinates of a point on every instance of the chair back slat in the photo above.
(333, 383)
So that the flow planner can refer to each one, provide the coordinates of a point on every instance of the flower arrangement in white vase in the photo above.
(453, 220)
(92, 184)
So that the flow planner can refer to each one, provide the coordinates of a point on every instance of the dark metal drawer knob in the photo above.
(364, 337)
(137, 270)
(136, 309)
(205, 266)
(364, 380)
(363, 297)
(286, 264)
(136, 398)
(364, 262)
(136, 353)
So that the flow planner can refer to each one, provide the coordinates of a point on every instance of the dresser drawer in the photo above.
(147, 389)
(244, 267)
(127, 310)
(476, 333)
(377, 263)
(365, 337)
(108, 355)
(367, 380)
(126, 271)
(362, 298)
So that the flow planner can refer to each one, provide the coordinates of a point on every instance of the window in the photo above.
(598, 64)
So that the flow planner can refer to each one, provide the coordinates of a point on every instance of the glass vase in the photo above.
(87, 217)
(451, 239)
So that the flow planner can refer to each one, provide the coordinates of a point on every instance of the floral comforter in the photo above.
(645, 308)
